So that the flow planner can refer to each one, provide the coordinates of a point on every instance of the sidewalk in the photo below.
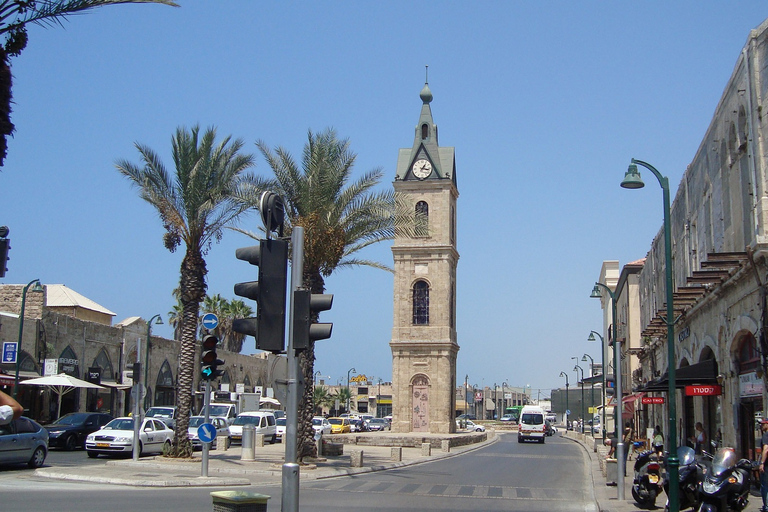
(225, 467)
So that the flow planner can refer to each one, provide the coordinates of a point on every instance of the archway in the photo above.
(420, 403)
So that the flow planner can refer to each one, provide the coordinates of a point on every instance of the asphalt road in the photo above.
(505, 476)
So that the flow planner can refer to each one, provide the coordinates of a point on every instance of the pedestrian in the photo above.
(761, 467)
(699, 440)
(10, 409)
(611, 443)
(627, 440)
(658, 440)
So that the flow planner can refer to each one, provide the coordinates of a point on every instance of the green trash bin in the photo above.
(239, 501)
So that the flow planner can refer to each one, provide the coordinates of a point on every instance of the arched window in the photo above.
(103, 362)
(421, 303)
(422, 218)
(424, 131)
(749, 358)
(165, 389)
(69, 363)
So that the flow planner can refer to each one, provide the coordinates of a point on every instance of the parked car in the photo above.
(280, 424)
(165, 414)
(378, 424)
(507, 417)
(263, 422)
(339, 425)
(472, 426)
(69, 431)
(466, 417)
(320, 424)
(117, 437)
(219, 423)
(23, 441)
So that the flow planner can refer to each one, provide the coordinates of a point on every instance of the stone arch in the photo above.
(103, 361)
(27, 363)
(69, 363)
(247, 384)
(420, 391)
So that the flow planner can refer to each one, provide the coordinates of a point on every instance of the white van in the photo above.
(263, 421)
(531, 424)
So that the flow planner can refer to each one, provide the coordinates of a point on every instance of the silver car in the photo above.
(23, 441)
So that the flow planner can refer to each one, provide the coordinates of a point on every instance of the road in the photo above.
(505, 476)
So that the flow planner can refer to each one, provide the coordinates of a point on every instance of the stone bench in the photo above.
(332, 449)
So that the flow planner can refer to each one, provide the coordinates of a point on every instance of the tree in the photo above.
(227, 312)
(195, 204)
(340, 217)
(321, 398)
(15, 15)
(342, 395)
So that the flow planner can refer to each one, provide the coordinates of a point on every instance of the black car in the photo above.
(69, 431)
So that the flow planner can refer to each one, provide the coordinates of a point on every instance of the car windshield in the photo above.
(120, 424)
(280, 422)
(196, 421)
(533, 419)
(246, 420)
(317, 421)
(159, 412)
(218, 410)
(335, 421)
(376, 420)
(76, 418)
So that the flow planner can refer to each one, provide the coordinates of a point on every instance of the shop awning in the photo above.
(115, 385)
(633, 397)
(704, 372)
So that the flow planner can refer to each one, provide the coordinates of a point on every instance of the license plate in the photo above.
(654, 479)
(236, 437)
(102, 445)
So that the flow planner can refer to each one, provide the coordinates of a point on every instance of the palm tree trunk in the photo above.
(306, 434)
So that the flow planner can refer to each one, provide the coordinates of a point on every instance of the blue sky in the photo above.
(545, 103)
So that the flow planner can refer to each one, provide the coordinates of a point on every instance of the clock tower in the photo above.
(424, 345)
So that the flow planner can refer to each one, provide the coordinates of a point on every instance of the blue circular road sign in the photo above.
(210, 321)
(206, 432)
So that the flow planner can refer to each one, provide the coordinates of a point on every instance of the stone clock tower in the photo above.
(424, 345)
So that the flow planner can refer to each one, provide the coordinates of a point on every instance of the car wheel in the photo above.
(93, 455)
(167, 446)
(70, 443)
(274, 439)
(519, 439)
(38, 458)
(141, 448)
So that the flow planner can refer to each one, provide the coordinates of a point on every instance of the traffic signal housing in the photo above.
(306, 307)
(209, 360)
(610, 385)
(271, 256)
(5, 245)
(134, 373)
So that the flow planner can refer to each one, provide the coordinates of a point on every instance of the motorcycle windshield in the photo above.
(685, 455)
(725, 459)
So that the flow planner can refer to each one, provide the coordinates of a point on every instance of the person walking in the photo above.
(658, 440)
(699, 440)
(761, 467)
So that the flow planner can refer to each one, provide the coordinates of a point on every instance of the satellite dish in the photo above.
(272, 212)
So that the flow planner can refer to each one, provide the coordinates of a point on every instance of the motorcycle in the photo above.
(647, 483)
(726, 486)
(690, 475)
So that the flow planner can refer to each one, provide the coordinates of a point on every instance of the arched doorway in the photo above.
(420, 403)
(102, 400)
(750, 388)
(165, 391)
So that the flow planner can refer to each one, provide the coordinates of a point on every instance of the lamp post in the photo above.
(618, 394)
(503, 397)
(632, 180)
(563, 374)
(349, 390)
(602, 370)
(158, 320)
(496, 401)
(38, 288)
(591, 386)
(575, 368)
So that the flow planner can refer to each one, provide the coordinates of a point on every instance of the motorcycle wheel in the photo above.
(651, 503)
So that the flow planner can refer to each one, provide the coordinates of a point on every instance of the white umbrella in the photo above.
(268, 400)
(60, 384)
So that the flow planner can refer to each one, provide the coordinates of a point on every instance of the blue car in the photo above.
(23, 441)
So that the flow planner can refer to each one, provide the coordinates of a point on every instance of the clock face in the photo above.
(422, 168)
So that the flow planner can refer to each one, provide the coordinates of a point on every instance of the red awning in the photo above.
(633, 397)
(6, 380)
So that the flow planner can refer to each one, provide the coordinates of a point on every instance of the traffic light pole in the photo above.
(290, 497)
(136, 451)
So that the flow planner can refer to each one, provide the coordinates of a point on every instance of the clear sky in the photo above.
(545, 103)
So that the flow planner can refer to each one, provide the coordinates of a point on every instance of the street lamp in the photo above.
(158, 320)
(591, 385)
(618, 394)
(632, 180)
(38, 288)
(504, 385)
(349, 390)
(591, 338)
(577, 367)
(563, 374)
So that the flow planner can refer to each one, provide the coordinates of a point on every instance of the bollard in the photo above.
(222, 443)
(397, 453)
(356, 458)
(426, 449)
(319, 442)
(259, 441)
(445, 446)
(249, 432)
(239, 501)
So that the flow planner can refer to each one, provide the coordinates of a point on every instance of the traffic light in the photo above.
(306, 306)
(209, 360)
(268, 327)
(610, 385)
(5, 245)
(134, 373)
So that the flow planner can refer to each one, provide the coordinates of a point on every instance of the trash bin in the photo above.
(248, 450)
(239, 501)
(611, 471)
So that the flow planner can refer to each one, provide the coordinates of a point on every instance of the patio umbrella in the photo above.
(60, 384)
(268, 400)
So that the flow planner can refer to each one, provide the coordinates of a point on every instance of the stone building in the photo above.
(65, 332)
(719, 232)
(424, 343)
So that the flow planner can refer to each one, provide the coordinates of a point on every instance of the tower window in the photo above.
(421, 303)
(422, 219)
(424, 131)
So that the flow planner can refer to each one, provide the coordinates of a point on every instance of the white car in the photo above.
(219, 423)
(117, 437)
(471, 425)
(280, 428)
(320, 424)
(263, 423)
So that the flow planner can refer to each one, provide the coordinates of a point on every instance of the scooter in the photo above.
(647, 483)
(690, 475)
(726, 486)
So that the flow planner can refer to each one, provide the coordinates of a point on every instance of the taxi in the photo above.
(339, 425)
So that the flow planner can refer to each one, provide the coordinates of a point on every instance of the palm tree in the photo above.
(339, 218)
(237, 309)
(342, 395)
(320, 398)
(15, 15)
(217, 305)
(194, 204)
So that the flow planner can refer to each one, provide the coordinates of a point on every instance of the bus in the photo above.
(513, 413)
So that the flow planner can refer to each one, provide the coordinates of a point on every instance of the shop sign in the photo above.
(653, 400)
(68, 366)
(750, 385)
(703, 390)
(478, 397)
(359, 378)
